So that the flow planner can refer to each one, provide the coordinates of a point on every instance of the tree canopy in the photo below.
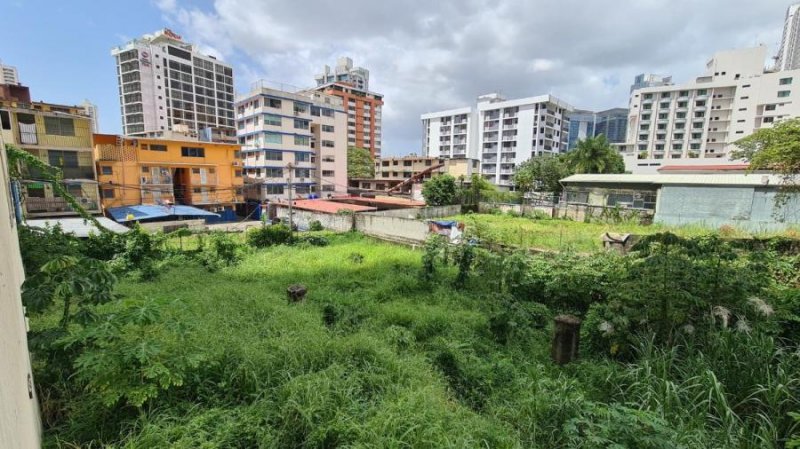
(777, 149)
(360, 163)
(440, 190)
(595, 155)
(542, 173)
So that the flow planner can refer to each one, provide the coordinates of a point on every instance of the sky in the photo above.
(423, 55)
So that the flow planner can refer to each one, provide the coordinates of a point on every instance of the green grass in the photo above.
(560, 235)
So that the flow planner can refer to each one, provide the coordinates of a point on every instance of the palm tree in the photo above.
(595, 155)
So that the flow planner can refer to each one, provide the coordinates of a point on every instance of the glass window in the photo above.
(274, 120)
(302, 140)
(193, 152)
(108, 193)
(5, 120)
(156, 147)
(272, 155)
(327, 128)
(273, 189)
(302, 157)
(785, 81)
(106, 170)
(300, 124)
(273, 138)
(783, 93)
(274, 103)
(58, 126)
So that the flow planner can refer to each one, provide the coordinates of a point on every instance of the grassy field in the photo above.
(565, 235)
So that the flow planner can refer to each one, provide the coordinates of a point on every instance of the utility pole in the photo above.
(291, 178)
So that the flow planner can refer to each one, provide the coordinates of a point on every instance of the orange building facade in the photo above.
(133, 171)
(364, 110)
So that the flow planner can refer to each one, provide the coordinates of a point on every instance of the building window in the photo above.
(302, 141)
(106, 170)
(108, 194)
(783, 93)
(157, 147)
(57, 126)
(327, 143)
(785, 81)
(273, 172)
(327, 128)
(273, 155)
(328, 173)
(237, 173)
(274, 120)
(327, 112)
(274, 103)
(193, 152)
(5, 120)
(273, 189)
(302, 157)
(769, 119)
(769, 107)
(273, 138)
(63, 159)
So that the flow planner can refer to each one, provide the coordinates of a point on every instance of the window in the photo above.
(57, 126)
(273, 172)
(106, 170)
(273, 138)
(302, 172)
(195, 171)
(785, 81)
(63, 159)
(157, 147)
(273, 189)
(193, 152)
(327, 143)
(783, 93)
(302, 157)
(274, 120)
(300, 124)
(702, 92)
(328, 173)
(302, 140)
(769, 119)
(5, 120)
(273, 155)
(327, 112)
(274, 103)
(769, 107)
(35, 190)
(327, 128)
(237, 173)
(108, 193)
(645, 116)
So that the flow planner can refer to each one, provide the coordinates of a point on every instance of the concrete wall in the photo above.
(20, 426)
(518, 208)
(169, 226)
(392, 228)
(421, 212)
(303, 219)
(746, 208)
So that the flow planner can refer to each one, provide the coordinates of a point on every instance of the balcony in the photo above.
(492, 127)
(37, 203)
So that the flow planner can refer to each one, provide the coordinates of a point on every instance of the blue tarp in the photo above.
(144, 212)
(444, 224)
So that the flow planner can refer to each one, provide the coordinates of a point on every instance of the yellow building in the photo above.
(61, 137)
(175, 170)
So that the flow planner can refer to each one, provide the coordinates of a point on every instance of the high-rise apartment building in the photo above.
(60, 136)
(364, 110)
(612, 123)
(90, 110)
(297, 137)
(702, 119)
(789, 51)
(501, 133)
(344, 72)
(650, 80)
(167, 84)
(8, 74)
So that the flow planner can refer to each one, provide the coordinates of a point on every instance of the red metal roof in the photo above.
(387, 200)
(717, 167)
(326, 207)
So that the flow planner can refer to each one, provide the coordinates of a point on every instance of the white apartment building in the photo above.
(698, 122)
(8, 74)
(344, 72)
(789, 51)
(165, 83)
(501, 133)
(91, 110)
(292, 136)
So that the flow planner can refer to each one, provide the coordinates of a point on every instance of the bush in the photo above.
(269, 236)
(315, 226)
(221, 251)
(312, 240)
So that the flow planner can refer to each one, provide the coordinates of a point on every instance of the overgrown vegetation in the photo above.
(685, 343)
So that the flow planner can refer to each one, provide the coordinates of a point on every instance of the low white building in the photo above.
(702, 119)
(500, 133)
(297, 137)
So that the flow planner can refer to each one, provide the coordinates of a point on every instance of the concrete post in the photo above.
(566, 334)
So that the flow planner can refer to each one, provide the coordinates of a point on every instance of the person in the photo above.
(456, 232)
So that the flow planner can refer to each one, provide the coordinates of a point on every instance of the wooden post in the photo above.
(566, 334)
(296, 292)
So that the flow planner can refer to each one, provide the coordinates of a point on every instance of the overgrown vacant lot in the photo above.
(560, 235)
(447, 347)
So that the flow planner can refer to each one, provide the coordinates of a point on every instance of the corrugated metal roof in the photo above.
(78, 226)
(685, 179)
(149, 212)
(326, 207)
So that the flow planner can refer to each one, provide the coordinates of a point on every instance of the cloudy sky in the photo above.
(423, 55)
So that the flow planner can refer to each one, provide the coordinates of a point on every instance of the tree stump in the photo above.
(296, 292)
(566, 333)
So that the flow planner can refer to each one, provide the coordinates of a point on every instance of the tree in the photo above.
(776, 148)
(440, 190)
(360, 163)
(595, 155)
(542, 173)
(478, 188)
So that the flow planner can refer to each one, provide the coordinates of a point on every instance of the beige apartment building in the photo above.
(391, 172)
(292, 137)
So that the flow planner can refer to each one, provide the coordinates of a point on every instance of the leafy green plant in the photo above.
(221, 251)
(315, 226)
(265, 236)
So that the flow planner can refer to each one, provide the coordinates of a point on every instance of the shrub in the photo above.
(315, 226)
(269, 236)
(313, 240)
(221, 251)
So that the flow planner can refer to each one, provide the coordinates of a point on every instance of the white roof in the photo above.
(753, 179)
(78, 226)
(447, 113)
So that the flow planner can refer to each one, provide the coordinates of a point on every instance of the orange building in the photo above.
(364, 110)
(133, 171)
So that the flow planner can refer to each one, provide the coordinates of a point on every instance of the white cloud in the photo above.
(427, 55)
